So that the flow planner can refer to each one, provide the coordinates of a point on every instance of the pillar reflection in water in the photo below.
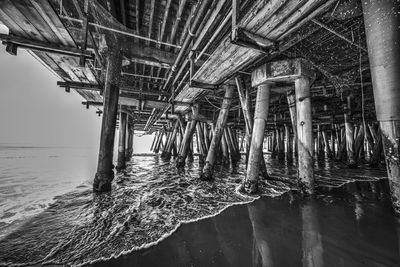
(262, 255)
(312, 243)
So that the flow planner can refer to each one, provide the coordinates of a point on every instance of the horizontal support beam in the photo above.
(245, 38)
(143, 76)
(150, 62)
(127, 101)
(44, 46)
(93, 87)
(204, 86)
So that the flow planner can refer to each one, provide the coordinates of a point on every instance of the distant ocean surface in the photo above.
(31, 176)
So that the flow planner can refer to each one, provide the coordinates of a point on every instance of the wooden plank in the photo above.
(164, 22)
(260, 14)
(65, 66)
(292, 20)
(23, 22)
(47, 14)
(152, 10)
(280, 16)
(49, 61)
(182, 4)
(29, 11)
(13, 28)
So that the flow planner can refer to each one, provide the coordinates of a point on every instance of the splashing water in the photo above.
(147, 204)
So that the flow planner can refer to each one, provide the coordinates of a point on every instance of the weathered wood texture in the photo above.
(105, 174)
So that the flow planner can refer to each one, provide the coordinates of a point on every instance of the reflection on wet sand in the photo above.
(261, 249)
(312, 242)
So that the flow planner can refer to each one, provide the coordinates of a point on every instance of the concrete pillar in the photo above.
(201, 142)
(327, 146)
(130, 141)
(225, 148)
(359, 143)
(245, 103)
(305, 144)
(208, 170)
(351, 161)
(260, 118)
(382, 28)
(170, 144)
(105, 174)
(154, 141)
(121, 163)
(187, 138)
(291, 99)
(159, 140)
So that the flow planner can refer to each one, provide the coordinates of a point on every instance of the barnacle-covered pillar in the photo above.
(121, 164)
(257, 138)
(105, 174)
(208, 170)
(382, 28)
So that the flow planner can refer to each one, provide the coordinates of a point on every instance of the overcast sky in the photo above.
(35, 111)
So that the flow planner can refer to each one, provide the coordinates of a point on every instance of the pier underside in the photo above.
(304, 80)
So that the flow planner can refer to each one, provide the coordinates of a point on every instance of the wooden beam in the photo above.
(147, 53)
(127, 101)
(244, 38)
(152, 63)
(152, 7)
(339, 35)
(177, 21)
(235, 15)
(44, 46)
(142, 76)
(123, 12)
(164, 22)
(137, 11)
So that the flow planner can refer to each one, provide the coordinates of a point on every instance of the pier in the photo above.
(304, 81)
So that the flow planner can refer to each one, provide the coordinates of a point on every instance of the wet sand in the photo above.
(348, 226)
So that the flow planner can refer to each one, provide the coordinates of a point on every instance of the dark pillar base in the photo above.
(207, 174)
(180, 162)
(250, 186)
(102, 182)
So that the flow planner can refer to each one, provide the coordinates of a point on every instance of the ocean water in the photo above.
(150, 201)
(31, 176)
